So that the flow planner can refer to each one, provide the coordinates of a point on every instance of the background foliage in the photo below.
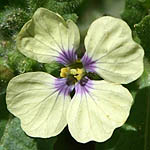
(135, 134)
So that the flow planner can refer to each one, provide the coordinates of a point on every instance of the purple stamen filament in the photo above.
(74, 74)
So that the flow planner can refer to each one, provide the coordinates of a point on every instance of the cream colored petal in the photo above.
(46, 35)
(41, 109)
(93, 115)
(119, 58)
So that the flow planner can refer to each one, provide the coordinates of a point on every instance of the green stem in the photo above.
(147, 122)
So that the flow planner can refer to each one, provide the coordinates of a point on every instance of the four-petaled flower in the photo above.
(43, 102)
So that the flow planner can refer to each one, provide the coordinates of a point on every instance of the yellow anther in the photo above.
(78, 77)
(73, 71)
(64, 72)
(80, 71)
(77, 73)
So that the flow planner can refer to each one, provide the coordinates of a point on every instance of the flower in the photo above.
(43, 102)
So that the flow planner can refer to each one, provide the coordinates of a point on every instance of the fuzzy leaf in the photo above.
(144, 81)
(143, 32)
(14, 138)
(134, 12)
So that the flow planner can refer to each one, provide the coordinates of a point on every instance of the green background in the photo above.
(135, 134)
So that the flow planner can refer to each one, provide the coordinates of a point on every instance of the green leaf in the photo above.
(144, 81)
(5, 75)
(53, 68)
(3, 114)
(21, 64)
(14, 138)
(64, 7)
(128, 127)
(133, 13)
(12, 19)
(147, 123)
(143, 32)
(146, 3)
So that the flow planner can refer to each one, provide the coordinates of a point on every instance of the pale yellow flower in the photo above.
(43, 102)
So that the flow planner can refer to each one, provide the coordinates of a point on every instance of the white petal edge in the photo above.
(93, 116)
(32, 98)
(45, 36)
(119, 58)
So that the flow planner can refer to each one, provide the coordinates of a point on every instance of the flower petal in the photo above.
(40, 103)
(118, 58)
(97, 109)
(46, 35)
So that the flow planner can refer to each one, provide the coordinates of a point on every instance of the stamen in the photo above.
(64, 72)
(77, 73)
(73, 71)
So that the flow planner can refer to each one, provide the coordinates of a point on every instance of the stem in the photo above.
(147, 122)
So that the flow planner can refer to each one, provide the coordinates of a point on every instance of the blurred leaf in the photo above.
(14, 138)
(53, 68)
(144, 80)
(97, 9)
(116, 7)
(66, 8)
(143, 32)
(144, 83)
(134, 12)
(6, 74)
(21, 64)
(12, 19)
(128, 127)
(4, 114)
(146, 3)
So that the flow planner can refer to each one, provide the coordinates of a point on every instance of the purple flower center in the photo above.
(70, 60)
(67, 57)
(62, 86)
(88, 63)
(84, 86)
